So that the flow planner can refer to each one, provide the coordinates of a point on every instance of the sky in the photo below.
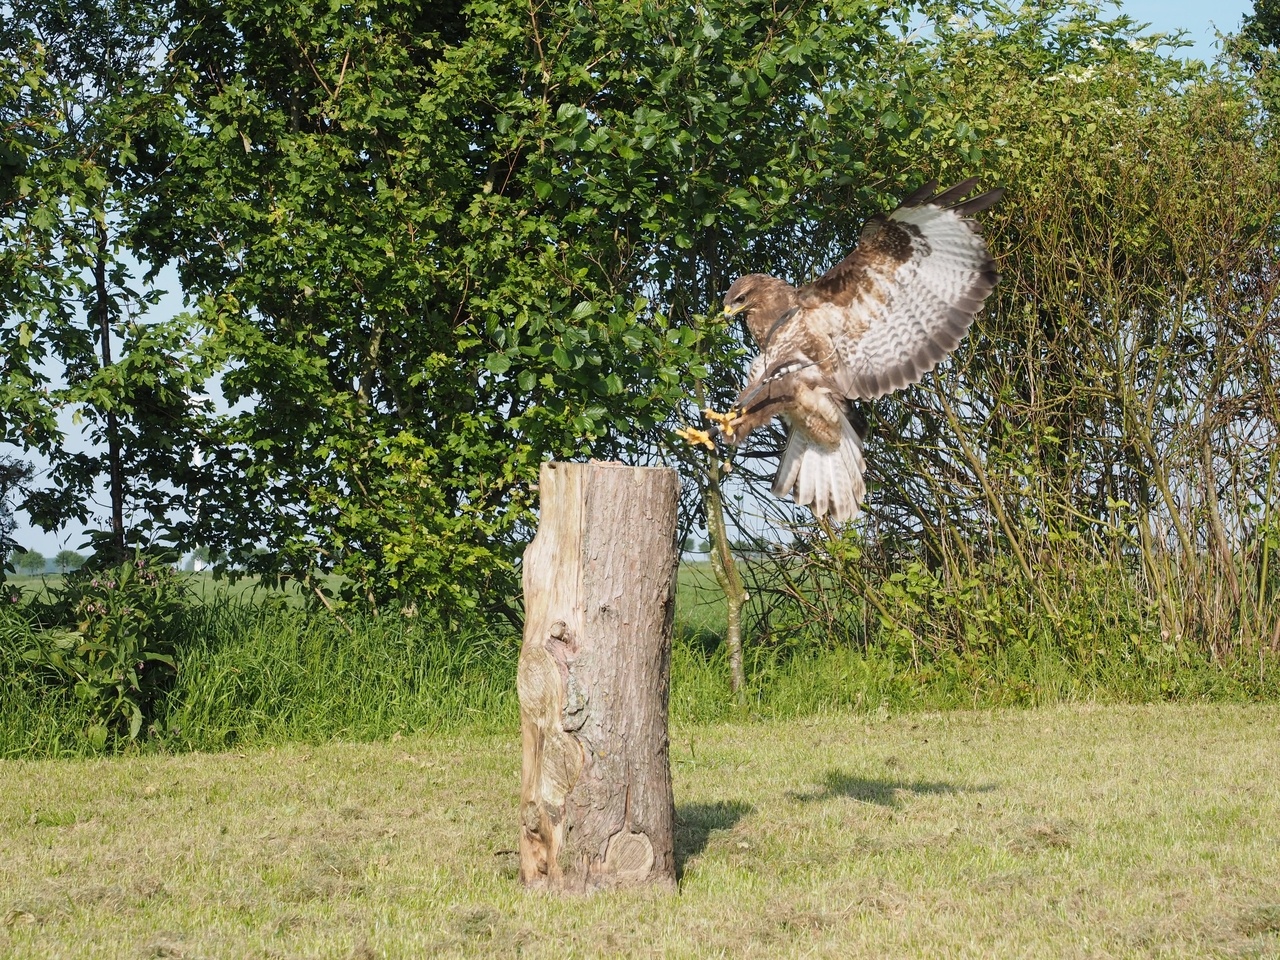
(1195, 16)
(1199, 19)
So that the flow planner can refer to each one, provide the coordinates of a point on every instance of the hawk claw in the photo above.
(724, 421)
(722, 424)
(696, 437)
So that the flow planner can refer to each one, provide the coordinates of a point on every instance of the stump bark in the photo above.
(596, 806)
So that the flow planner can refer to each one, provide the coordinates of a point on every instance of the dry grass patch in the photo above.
(1071, 832)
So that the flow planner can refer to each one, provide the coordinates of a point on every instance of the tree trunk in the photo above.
(102, 310)
(596, 807)
(725, 567)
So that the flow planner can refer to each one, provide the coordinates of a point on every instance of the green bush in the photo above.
(112, 636)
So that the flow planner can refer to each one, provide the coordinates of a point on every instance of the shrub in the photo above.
(112, 635)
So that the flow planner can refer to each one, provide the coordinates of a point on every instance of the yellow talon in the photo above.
(724, 420)
(696, 437)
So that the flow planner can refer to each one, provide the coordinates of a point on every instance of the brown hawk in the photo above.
(878, 321)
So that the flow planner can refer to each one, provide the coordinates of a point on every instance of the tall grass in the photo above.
(37, 720)
(805, 677)
(269, 672)
(826, 633)
(255, 671)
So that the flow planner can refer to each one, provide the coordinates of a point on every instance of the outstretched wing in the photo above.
(906, 295)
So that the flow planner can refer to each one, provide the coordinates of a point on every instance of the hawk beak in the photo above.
(732, 310)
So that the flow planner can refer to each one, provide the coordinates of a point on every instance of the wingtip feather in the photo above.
(951, 194)
(979, 203)
(921, 195)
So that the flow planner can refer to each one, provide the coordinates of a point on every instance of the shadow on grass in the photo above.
(885, 793)
(696, 822)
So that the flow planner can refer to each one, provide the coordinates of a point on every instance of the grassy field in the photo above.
(700, 603)
(203, 585)
(256, 669)
(1064, 832)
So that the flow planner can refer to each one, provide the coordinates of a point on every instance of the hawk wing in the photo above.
(906, 295)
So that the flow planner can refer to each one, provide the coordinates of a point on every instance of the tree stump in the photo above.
(596, 806)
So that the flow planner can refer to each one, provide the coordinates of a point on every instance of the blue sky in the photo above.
(1199, 19)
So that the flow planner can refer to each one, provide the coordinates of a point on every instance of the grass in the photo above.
(700, 603)
(1072, 831)
(267, 674)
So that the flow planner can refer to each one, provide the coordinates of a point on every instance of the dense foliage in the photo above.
(438, 246)
(112, 636)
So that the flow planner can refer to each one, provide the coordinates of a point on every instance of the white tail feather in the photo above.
(828, 480)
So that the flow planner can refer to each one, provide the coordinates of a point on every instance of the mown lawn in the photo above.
(1065, 832)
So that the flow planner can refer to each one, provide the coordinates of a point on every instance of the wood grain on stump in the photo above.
(596, 807)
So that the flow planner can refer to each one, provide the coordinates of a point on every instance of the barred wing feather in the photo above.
(908, 293)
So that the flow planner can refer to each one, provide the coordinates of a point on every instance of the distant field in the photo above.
(699, 602)
(1064, 832)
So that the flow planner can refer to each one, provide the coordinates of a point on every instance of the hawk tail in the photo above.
(828, 480)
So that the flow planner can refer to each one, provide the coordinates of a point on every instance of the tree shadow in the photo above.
(696, 822)
(884, 793)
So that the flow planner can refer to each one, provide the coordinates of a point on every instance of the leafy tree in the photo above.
(30, 561)
(1263, 25)
(1257, 44)
(68, 560)
(436, 246)
(1108, 427)
(77, 106)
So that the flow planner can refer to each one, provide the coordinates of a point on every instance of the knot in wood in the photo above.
(562, 635)
(629, 857)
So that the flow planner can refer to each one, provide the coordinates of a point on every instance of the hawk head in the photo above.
(761, 300)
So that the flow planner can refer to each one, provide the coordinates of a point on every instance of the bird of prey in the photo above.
(878, 321)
